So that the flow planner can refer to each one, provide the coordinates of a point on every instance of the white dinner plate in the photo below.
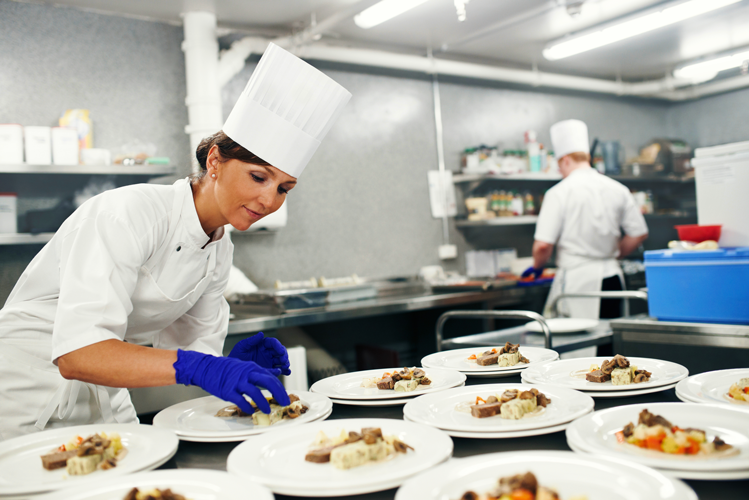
(21, 471)
(502, 435)
(348, 385)
(197, 418)
(712, 388)
(569, 473)
(234, 439)
(457, 359)
(563, 325)
(276, 459)
(687, 474)
(375, 402)
(570, 373)
(196, 484)
(595, 433)
(439, 410)
(621, 394)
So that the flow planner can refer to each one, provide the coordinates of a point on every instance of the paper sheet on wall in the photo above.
(437, 194)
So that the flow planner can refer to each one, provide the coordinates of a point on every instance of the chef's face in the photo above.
(245, 192)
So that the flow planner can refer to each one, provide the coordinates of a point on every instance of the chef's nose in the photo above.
(267, 196)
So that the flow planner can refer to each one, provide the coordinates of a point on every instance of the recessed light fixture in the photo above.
(703, 71)
(384, 11)
(630, 26)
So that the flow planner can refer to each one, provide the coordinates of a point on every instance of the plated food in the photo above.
(739, 392)
(723, 387)
(653, 432)
(518, 487)
(619, 371)
(277, 412)
(153, 494)
(507, 355)
(81, 456)
(354, 449)
(512, 404)
(406, 380)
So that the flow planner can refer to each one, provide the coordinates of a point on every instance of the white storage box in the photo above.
(96, 156)
(64, 146)
(38, 145)
(11, 144)
(8, 213)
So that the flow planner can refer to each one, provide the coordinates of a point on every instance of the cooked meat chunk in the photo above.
(109, 463)
(293, 397)
(353, 437)
(721, 445)
(131, 495)
(386, 383)
(525, 481)
(523, 359)
(509, 348)
(542, 400)
(375, 431)
(488, 359)
(58, 459)
(642, 376)
(509, 395)
(320, 455)
(469, 495)
(629, 429)
(405, 374)
(485, 410)
(597, 376)
(396, 377)
(419, 373)
(425, 381)
(527, 395)
(492, 399)
(650, 419)
(400, 446)
(608, 366)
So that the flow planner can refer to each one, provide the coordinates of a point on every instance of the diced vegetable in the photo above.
(522, 494)
(620, 437)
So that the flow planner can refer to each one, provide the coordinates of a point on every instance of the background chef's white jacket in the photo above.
(77, 289)
(584, 214)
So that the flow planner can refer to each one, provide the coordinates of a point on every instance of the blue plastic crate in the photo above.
(708, 286)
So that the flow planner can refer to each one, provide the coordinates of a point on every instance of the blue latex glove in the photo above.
(229, 379)
(265, 351)
(532, 271)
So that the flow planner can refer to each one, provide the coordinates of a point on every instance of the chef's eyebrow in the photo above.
(272, 173)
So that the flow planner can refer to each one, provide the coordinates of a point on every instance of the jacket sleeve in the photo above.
(204, 326)
(99, 262)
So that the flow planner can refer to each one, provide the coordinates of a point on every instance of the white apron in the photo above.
(585, 276)
(42, 398)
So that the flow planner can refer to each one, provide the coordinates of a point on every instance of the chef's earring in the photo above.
(213, 175)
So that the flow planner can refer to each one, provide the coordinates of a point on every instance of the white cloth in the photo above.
(131, 264)
(285, 111)
(584, 216)
(569, 136)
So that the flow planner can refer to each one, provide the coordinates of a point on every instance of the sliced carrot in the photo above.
(620, 437)
(472, 356)
(680, 451)
(654, 442)
(694, 447)
(61, 448)
(479, 398)
(746, 390)
(494, 350)
(522, 494)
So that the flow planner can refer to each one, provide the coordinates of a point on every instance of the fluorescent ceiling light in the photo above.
(707, 70)
(383, 11)
(632, 26)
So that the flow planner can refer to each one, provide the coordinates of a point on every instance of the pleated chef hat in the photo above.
(569, 136)
(285, 110)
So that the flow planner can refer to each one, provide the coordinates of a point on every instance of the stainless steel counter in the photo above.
(213, 456)
(246, 322)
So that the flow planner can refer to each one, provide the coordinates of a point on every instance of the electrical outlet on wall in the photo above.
(448, 252)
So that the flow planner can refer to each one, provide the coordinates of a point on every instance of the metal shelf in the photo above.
(461, 178)
(148, 170)
(499, 221)
(25, 238)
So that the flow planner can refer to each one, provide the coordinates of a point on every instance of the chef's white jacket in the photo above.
(584, 215)
(131, 264)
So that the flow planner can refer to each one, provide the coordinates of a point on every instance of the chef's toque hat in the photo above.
(569, 136)
(285, 111)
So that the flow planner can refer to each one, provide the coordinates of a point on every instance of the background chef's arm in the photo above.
(541, 253)
(115, 363)
(629, 244)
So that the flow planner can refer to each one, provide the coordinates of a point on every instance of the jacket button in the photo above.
(179, 248)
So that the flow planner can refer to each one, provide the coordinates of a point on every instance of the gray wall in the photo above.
(362, 205)
(712, 120)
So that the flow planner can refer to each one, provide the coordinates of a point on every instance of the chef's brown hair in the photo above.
(579, 157)
(228, 150)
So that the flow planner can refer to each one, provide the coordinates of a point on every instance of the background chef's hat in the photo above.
(285, 111)
(569, 136)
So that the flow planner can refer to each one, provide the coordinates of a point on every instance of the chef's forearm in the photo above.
(629, 244)
(541, 253)
(114, 363)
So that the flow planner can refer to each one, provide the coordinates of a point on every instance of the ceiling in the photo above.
(500, 32)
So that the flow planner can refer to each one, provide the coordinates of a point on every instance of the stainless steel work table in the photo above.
(246, 322)
(214, 455)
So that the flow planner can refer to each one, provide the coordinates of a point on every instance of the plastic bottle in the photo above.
(517, 204)
(533, 151)
(530, 208)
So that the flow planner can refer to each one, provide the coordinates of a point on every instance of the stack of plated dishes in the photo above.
(570, 475)
(596, 434)
(458, 359)
(347, 389)
(196, 420)
(570, 373)
(450, 412)
(712, 388)
(277, 459)
(22, 473)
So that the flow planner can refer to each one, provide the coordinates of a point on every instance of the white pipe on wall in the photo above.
(201, 67)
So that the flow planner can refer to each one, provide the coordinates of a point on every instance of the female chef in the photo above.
(148, 264)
